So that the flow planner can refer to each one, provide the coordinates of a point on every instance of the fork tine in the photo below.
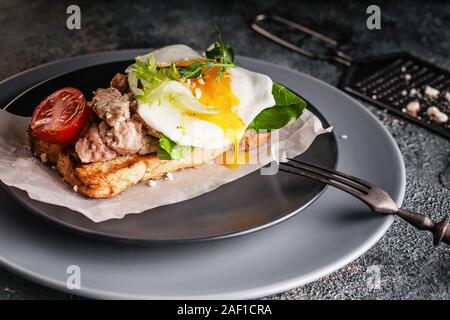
(340, 186)
(329, 176)
(346, 176)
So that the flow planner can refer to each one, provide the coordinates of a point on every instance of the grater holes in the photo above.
(384, 82)
(446, 84)
(379, 75)
(408, 64)
(440, 83)
(422, 81)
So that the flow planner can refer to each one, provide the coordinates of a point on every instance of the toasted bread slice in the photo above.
(109, 178)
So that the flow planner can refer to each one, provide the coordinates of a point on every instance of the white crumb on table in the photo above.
(9, 290)
(75, 188)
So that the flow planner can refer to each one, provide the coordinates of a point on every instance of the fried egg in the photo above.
(207, 113)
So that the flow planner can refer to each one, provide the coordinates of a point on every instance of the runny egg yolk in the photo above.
(217, 94)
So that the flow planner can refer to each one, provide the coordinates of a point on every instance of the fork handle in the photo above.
(440, 230)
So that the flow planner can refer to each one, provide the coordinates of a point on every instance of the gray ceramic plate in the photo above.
(331, 232)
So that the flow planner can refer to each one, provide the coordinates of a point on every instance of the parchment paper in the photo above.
(20, 169)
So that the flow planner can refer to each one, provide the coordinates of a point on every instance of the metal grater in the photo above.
(390, 81)
(384, 82)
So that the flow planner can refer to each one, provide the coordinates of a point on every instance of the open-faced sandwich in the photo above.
(172, 109)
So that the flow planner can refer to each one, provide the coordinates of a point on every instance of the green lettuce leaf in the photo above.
(288, 107)
(169, 150)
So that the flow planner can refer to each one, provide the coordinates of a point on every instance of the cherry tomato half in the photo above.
(60, 117)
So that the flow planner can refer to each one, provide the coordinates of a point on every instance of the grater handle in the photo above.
(337, 55)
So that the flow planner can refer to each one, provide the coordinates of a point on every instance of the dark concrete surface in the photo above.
(34, 32)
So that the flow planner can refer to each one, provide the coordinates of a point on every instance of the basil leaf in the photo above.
(284, 97)
(288, 107)
(169, 150)
(274, 118)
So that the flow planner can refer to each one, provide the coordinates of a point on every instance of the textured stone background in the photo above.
(33, 32)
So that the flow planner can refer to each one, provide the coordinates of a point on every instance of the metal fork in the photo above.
(376, 198)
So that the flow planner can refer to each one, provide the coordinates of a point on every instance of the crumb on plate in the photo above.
(151, 183)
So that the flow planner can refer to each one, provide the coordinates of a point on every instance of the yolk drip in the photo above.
(217, 94)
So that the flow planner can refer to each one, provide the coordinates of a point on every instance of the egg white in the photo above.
(167, 114)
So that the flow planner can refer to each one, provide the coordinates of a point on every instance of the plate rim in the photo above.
(293, 282)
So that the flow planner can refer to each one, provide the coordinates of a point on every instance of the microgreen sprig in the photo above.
(219, 56)
(221, 53)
